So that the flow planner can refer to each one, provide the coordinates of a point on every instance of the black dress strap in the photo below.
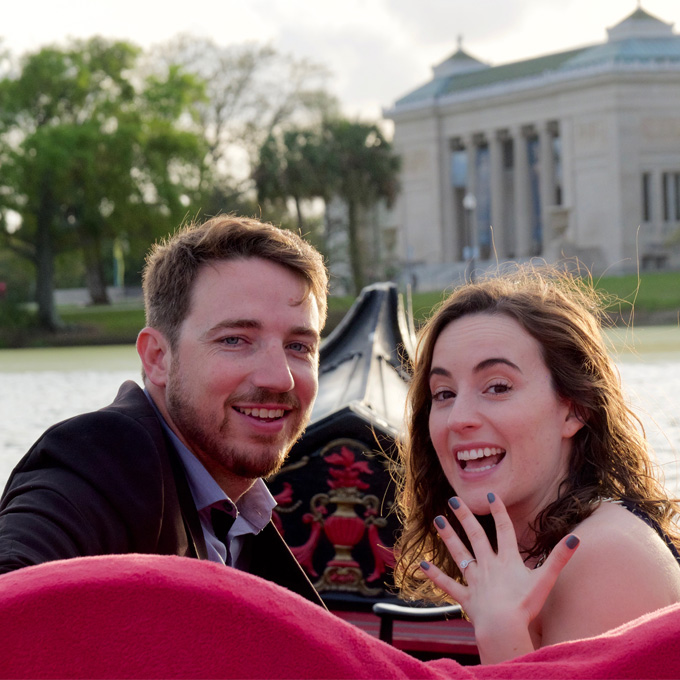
(638, 512)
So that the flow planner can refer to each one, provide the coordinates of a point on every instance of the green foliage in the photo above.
(652, 291)
(340, 158)
(362, 165)
(251, 92)
(114, 323)
(92, 152)
(362, 170)
(17, 278)
(120, 323)
(292, 165)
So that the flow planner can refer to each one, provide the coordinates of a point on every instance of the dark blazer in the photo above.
(110, 482)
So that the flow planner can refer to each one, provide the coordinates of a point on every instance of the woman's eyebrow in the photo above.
(488, 363)
(481, 366)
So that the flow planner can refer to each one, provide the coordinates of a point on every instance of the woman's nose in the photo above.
(463, 414)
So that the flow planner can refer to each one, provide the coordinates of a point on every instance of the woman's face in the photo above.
(496, 422)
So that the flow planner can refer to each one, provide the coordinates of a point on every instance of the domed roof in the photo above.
(640, 41)
(458, 63)
(640, 24)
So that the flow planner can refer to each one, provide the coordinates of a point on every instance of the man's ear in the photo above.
(154, 351)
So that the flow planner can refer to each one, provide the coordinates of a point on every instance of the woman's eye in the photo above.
(442, 395)
(499, 388)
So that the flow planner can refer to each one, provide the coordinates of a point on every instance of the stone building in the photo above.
(569, 154)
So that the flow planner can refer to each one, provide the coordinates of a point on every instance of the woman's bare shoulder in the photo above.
(613, 527)
(621, 570)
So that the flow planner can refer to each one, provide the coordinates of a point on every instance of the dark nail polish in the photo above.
(490, 497)
(454, 503)
(439, 521)
(572, 542)
(424, 565)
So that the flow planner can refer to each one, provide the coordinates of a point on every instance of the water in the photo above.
(41, 387)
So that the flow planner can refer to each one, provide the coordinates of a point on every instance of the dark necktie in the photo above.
(222, 521)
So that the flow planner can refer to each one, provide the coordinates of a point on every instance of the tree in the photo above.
(252, 92)
(362, 170)
(349, 160)
(291, 166)
(90, 151)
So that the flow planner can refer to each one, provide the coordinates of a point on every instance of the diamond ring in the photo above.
(466, 563)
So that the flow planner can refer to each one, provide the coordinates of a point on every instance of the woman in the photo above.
(516, 415)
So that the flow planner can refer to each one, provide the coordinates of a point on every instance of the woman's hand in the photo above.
(502, 595)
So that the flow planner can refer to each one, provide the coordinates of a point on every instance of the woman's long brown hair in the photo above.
(609, 457)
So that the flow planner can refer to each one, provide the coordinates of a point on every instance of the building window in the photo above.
(483, 197)
(459, 169)
(646, 196)
(508, 154)
(534, 187)
(671, 196)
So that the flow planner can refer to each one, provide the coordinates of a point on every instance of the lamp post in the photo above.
(469, 205)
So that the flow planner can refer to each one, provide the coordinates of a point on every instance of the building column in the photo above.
(522, 198)
(656, 205)
(470, 190)
(446, 210)
(546, 180)
(498, 224)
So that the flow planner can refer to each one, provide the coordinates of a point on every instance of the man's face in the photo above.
(244, 373)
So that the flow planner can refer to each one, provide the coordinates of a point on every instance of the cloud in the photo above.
(377, 50)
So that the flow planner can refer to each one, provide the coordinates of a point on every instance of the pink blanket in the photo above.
(141, 616)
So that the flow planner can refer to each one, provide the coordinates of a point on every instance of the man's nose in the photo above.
(273, 371)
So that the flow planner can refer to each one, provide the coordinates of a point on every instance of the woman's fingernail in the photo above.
(572, 542)
(439, 521)
(491, 498)
(424, 565)
(454, 503)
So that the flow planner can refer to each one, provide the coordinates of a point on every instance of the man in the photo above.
(234, 310)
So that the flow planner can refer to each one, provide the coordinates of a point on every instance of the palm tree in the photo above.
(362, 170)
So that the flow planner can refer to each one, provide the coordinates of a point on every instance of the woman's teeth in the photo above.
(473, 454)
(468, 458)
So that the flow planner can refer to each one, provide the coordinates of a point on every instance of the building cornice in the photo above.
(577, 76)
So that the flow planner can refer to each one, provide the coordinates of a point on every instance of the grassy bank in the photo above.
(654, 297)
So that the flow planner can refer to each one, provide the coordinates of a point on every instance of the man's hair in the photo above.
(609, 455)
(173, 264)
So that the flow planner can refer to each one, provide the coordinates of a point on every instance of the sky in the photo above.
(376, 50)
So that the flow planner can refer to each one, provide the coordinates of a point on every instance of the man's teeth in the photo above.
(473, 454)
(263, 412)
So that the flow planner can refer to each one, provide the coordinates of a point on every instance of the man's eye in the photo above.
(231, 340)
(300, 347)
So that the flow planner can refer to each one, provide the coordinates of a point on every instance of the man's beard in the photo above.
(261, 456)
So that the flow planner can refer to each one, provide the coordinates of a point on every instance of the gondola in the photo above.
(336, 493)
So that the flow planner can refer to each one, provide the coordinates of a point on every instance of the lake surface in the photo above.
(41, 387)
